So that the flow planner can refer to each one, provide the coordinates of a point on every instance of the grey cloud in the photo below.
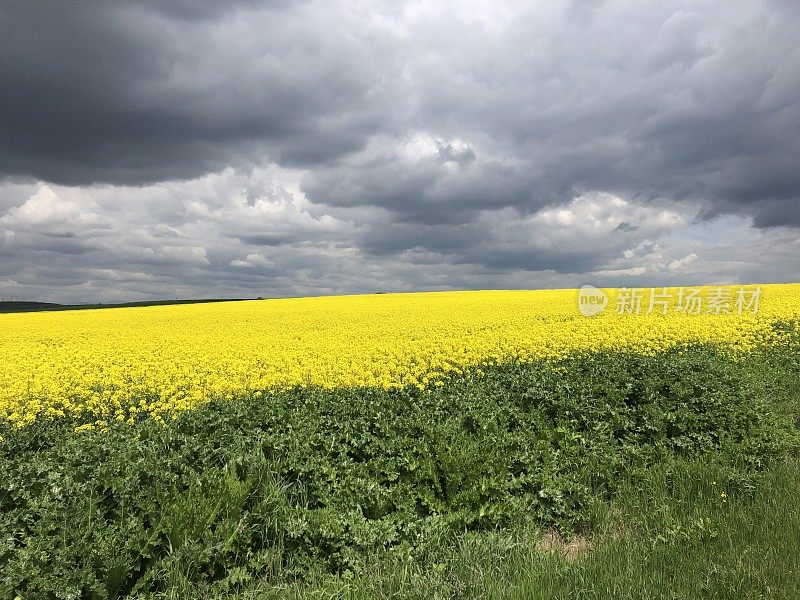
(44, 248)
(320, 147)
(127, 93)
(461, 156)
(579, 237)
(426, 190)
(555, 102)
(313, 252)
(684, 103)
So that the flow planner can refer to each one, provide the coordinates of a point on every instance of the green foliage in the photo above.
(313, 483)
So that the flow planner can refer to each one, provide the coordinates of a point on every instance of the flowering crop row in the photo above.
(119, 363)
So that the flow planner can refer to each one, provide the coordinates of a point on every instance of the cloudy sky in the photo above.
(179, 148)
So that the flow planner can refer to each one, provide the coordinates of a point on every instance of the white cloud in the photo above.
(679, 263)
(253, 260)
(46, 212)
(255, 234)
(629, 272)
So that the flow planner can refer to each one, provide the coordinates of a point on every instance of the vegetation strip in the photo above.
(311, 488)
(118, 364)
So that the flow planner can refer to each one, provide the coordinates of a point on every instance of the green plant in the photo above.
(310, 484)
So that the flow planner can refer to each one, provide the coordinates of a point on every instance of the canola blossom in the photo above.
(121, 363)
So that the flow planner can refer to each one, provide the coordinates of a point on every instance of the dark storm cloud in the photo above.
(428, 191)
(695, 102)
(677, 100)
(349, 145)
(132, 92)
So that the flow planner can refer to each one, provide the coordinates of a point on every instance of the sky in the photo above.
(196, 149)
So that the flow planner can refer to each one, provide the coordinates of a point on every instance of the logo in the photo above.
(591, 300)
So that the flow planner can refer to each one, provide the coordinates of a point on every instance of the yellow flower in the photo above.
(113, 364)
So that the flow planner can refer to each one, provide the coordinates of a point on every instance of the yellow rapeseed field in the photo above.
(118, 363)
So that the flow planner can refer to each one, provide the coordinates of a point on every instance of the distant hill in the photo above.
(24, 306)
(15, 306)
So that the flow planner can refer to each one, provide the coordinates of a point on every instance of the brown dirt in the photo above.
(571, 549)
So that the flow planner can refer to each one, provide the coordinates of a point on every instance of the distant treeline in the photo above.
(25, 306)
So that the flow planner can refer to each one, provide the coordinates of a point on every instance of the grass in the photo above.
(665, 536)
(597, 477)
